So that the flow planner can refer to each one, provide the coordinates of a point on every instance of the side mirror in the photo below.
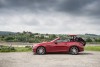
(55, 42)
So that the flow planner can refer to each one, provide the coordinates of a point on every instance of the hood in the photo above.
(43, 43)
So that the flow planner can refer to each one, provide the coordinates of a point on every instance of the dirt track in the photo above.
(27, 59)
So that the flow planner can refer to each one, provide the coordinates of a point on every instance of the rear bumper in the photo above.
(81, 49)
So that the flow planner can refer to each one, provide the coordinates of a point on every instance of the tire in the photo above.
(41, 50)
(73, 50)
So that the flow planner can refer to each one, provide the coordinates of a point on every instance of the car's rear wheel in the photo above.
(74, 50)
(41, 50)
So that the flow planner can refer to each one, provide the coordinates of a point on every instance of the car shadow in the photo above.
(82, 53)
(85, 53)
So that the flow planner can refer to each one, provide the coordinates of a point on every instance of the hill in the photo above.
(6, 33)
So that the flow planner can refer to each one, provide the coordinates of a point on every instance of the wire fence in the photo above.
(23, 44)
(16, 44)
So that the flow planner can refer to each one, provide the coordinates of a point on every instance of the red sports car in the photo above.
(72, 46)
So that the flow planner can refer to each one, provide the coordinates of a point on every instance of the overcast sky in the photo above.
(50, 16)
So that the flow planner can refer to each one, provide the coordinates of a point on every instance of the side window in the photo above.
(66, 40)
(59, 41)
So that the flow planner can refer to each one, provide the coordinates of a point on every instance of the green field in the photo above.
(92, 48)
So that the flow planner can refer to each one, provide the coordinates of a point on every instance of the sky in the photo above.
(50, 16)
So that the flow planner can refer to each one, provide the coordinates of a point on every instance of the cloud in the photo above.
(73, 7)
(32, 5)
(50, 16)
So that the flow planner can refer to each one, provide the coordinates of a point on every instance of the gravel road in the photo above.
(27, 59)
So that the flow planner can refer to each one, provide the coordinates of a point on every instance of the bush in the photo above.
(1, 47)
(27, 46)
(7, 49)
(97, 40)
(9, 39)
(31, 41)
(88, 40)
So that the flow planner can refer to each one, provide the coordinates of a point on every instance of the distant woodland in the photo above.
(30, 37)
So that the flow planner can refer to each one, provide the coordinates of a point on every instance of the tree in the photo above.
(9, 38)
(88, 40)
(53, 36)
(97, 40)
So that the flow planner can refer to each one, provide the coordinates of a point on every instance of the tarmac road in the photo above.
(27, 59)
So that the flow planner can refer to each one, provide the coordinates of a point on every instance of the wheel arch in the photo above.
(74, 46)
(41, 46)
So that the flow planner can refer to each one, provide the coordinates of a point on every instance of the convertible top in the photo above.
(72, 35)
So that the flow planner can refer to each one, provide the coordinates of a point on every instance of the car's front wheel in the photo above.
(41, 50)
(74, 50)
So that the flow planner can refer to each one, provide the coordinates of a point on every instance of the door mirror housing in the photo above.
(55, 42)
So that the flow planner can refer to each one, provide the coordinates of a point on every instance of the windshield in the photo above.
(55, 39)
(60, 40)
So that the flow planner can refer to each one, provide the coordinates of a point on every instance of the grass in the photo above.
(92, 48)
(15, 49)
(29, 49)
(23, 49)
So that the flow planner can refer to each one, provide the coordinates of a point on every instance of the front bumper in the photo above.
(34, 50)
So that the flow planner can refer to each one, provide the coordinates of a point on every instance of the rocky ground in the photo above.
(27, 59)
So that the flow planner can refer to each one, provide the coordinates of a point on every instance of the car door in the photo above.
(61, 46)
(52, 47)
(58, 46)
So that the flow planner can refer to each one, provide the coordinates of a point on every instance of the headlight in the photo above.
(34, 45)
